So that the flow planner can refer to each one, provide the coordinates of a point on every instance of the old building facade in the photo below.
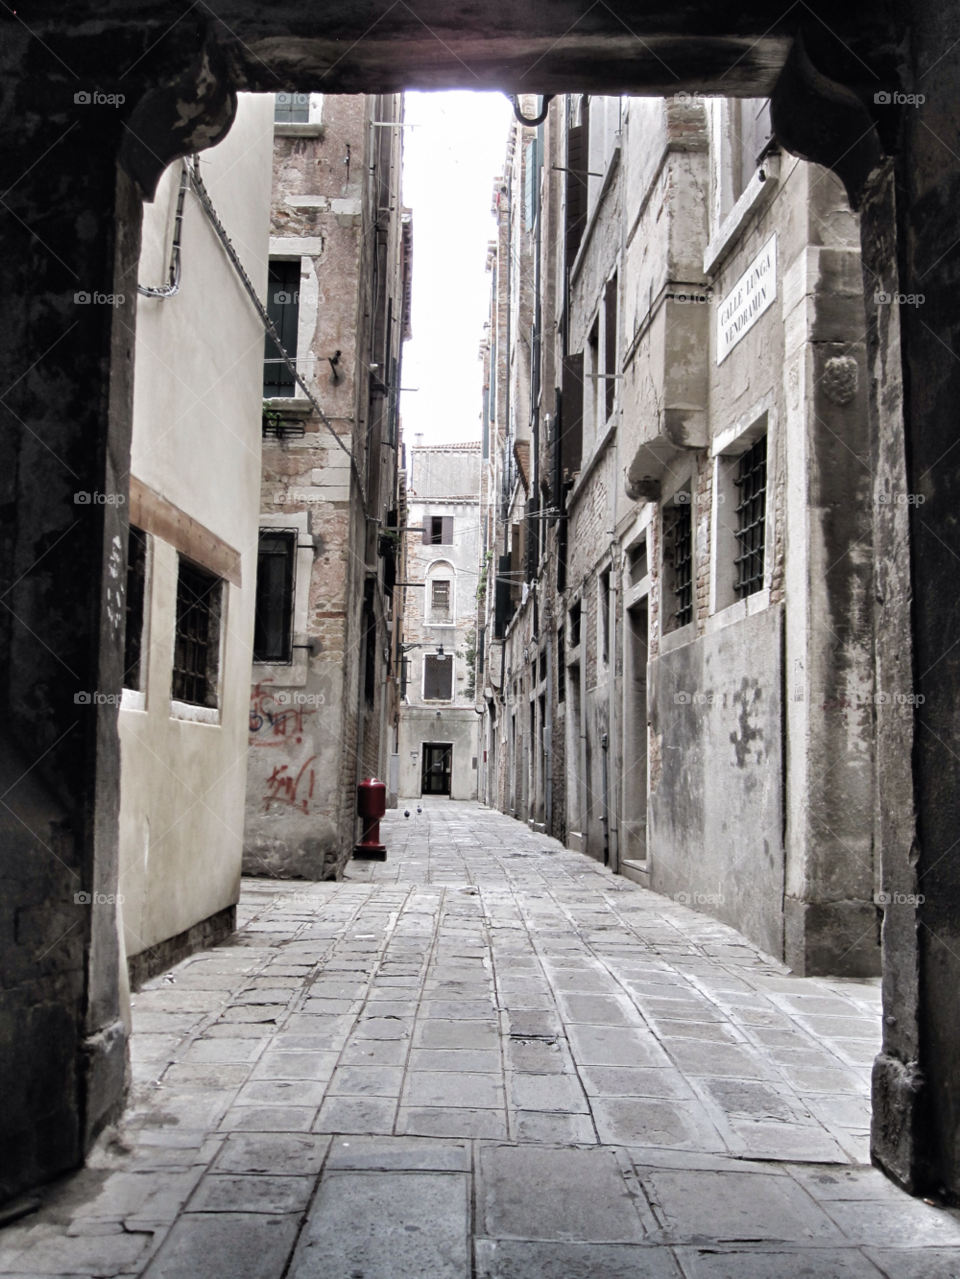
(323, 707)
(679, 666)
(438, 722)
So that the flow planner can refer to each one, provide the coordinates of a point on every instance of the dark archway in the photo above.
(98, 99)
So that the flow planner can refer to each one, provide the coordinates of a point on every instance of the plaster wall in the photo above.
(197, 397)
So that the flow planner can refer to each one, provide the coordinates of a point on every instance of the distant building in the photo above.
(439, 728)
(323, 706)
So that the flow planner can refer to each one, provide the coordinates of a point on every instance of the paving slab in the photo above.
(411, 1223)
(554, 1194)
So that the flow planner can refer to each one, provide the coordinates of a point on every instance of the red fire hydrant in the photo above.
(371, 806)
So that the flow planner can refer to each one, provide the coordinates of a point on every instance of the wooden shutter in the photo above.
(447, 530)
(502, 597)
(426, 528)
(576, 193)
(571, 419)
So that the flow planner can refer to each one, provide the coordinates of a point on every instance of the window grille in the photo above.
(679, 536)
(135, 607)
(291, 108)
(751, 513)
(273, 609)
(441, 595)
(196, 648)
(437, 677)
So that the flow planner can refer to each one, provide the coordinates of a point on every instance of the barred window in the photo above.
(437, 677)
(751, 513)
(678, 552)
(196, 656)
(441, 595)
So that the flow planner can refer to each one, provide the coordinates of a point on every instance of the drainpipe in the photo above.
(605, 816)
(547, 727)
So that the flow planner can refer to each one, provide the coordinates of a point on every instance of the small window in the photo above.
(196, 657)
(543, 665)
(273, 622)
(438, 530)
(440, 595)
(291, 108)
(135, 608)
(283, 308)
(751, 513)
(575, 625)
(561, 667)
(678, 559)
(437, 677)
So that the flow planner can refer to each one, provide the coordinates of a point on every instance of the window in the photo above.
(610, 346)
(440, 595)
(196, 654)
(575, 625)
(273, 621)
(678, 560)
(283, 308)
(637, 562)
(531, 185)
(134, 608)
(291, 108)
(603, 608)
(438, 530)
(437, 677)
(751, 512)
(561, 669)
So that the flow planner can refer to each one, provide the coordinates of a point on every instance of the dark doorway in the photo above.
(437, 764)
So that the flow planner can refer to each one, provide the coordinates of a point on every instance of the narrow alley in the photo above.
(487, 1057)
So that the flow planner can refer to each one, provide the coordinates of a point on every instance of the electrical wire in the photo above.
(172, 288)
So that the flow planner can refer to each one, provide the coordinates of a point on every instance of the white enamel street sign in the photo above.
(752, 294)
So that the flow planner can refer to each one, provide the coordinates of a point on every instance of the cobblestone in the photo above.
(487, 1057)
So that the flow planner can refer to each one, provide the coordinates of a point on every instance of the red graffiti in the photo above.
(284, 788)
(271, 723)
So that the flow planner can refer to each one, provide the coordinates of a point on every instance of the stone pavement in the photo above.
(488, 1058)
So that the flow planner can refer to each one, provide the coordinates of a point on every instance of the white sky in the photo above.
(450, 161)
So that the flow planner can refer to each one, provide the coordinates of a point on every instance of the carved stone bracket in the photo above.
(189, 114)
(820, 120)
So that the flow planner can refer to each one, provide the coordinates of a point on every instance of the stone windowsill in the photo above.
(305, 129)
(676, 639)
(133, 699)
(738, 611)
(190, 714)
